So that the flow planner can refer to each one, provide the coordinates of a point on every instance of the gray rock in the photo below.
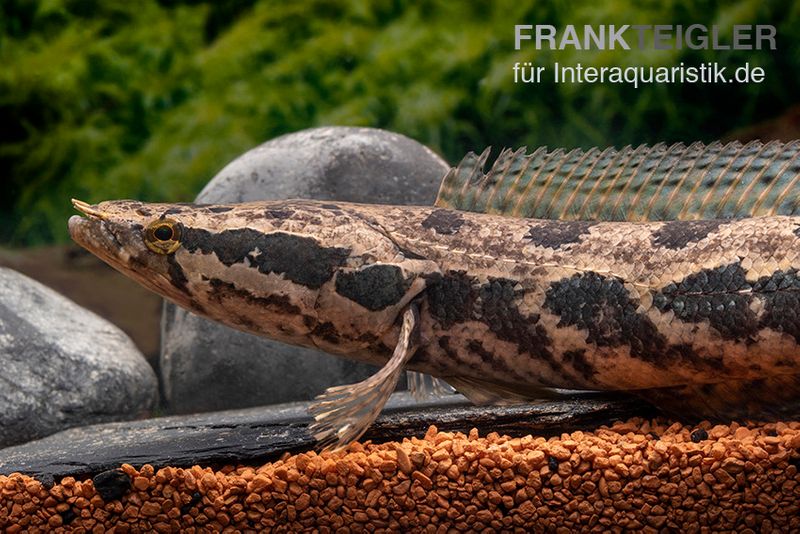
(206, 366)
(62, 366)
(332, 163)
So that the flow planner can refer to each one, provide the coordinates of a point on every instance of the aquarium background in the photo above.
(149, 99)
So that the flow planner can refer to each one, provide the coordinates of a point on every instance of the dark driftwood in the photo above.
(262, 434)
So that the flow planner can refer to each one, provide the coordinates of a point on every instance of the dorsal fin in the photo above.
(659, 182)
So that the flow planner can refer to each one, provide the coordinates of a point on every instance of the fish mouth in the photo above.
(92, 231)
(88, 210)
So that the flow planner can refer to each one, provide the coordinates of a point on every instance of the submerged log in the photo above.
(263, 434)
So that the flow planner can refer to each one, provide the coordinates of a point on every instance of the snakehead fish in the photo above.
(667, 271)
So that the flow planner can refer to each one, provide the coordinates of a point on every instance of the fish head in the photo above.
(127, 236)
(301, 272)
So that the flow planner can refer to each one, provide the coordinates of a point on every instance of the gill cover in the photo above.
(364, 302)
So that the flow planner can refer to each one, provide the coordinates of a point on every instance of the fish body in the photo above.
(683, 312)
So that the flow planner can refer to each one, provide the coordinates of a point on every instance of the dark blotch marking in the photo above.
(577, 359)
(172, 211)
(498, 309)
(677, 234)
(476, 347)
(796, 231)
(456, 297)
(720, 296)
(245, 321)
(176, 274)
(424, 357)
(444, 343)
(300, 259)
(219, 209)
(278, 213)
(329, 206)
(443, 221)
(781, 294)
(451, 297)
(601, 306)
(221, 289)
(112, 484)
(374, 287)
(327, 332)
(555, 234)
(368, 337)
(410, 254)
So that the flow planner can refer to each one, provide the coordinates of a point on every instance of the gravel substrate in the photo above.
(640, 475)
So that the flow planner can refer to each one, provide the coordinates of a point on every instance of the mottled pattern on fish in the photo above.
(605, 305)
(502, 308)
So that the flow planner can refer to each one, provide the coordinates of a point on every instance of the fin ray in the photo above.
(658, 182)
(424, 386)
(485, 393)
(343, 413)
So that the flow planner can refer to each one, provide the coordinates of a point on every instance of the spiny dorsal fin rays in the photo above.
(343, 413)
(469, 171)
(658, 182)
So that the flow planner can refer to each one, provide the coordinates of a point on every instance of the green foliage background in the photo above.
(149, 99)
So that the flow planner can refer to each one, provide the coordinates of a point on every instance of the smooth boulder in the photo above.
(206, 366)
(63, 366)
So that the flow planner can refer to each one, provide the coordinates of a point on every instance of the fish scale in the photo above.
(547, 271)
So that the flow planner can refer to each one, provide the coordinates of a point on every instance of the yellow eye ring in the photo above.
(163, 236)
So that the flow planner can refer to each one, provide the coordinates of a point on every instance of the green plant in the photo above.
(150, 99)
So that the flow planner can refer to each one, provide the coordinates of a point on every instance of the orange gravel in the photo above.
(637, 475)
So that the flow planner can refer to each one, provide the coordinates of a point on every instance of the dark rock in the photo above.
(112, 484)
(68, 516)
(196, 498)
(63, 366)
(552, 463)
(262, 434)
(206, 366)
(699, 435)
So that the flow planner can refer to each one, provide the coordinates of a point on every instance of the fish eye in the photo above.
(163, 232)
(163, 236)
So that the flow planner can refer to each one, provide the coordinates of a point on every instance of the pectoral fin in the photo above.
(343, 413)
(483, 392)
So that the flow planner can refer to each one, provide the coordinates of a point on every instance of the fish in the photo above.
(667, 272)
